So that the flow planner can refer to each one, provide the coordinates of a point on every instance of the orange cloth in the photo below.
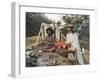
(61, 44)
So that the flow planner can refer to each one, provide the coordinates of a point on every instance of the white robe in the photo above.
(73, 39)
(58, 31)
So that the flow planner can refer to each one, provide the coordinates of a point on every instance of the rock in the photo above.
(28, 52)
(52, 59)
(41, 62)
(28, 49)
(32, 54)
(28, 59)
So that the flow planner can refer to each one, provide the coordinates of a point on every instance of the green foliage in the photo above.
(81, 24)
(33, 23)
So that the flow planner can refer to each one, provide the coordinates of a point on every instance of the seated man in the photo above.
(49, 41)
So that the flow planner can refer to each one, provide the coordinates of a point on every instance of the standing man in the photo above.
(59, 28)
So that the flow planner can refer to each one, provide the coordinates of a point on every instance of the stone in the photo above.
(52, 59)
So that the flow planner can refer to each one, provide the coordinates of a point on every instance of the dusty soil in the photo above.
(47, 59)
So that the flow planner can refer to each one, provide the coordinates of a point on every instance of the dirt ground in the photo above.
(30, 41)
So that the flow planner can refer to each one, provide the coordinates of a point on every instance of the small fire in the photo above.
(62, 44)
